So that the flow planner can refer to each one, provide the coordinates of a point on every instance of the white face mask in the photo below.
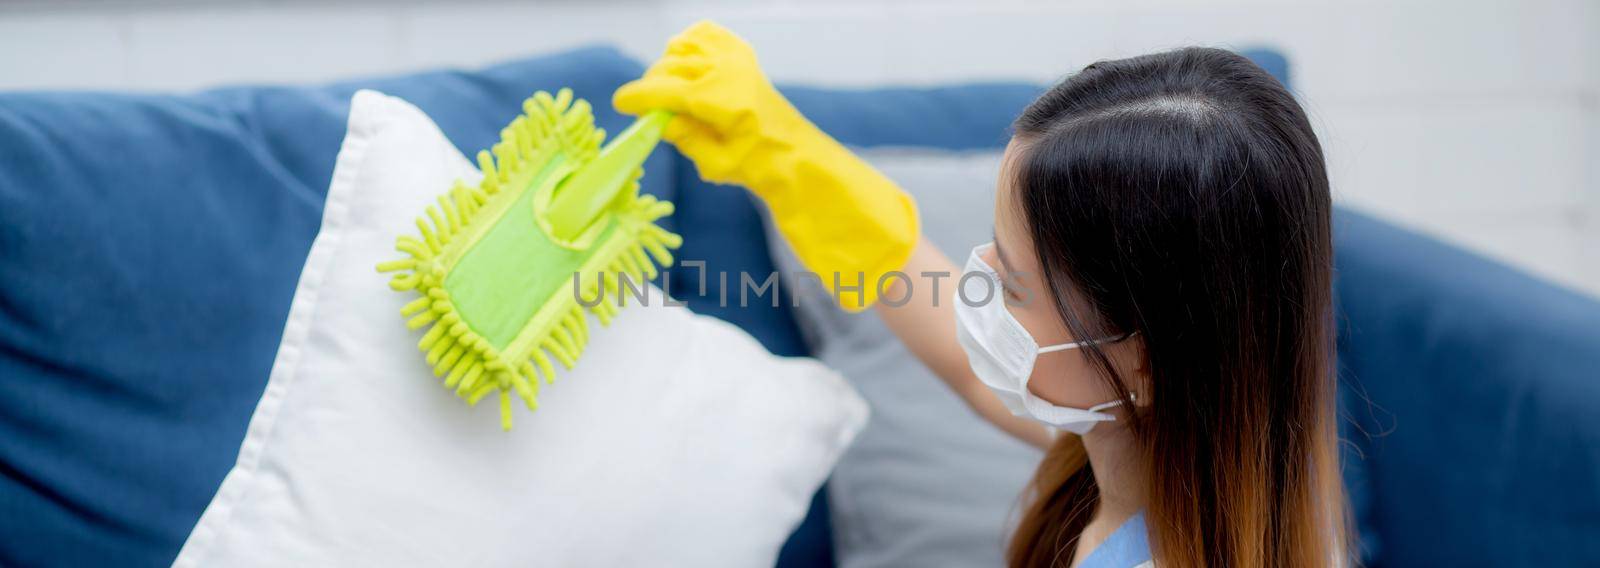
(1002, 353)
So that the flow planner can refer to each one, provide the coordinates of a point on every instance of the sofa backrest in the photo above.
(1473, 392)
(151, 245)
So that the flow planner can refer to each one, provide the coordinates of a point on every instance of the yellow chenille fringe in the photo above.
(465, 360)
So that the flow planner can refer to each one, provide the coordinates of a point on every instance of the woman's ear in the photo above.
(1138, 361)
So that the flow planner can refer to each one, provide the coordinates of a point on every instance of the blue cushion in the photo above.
(1485, 434)
(152, 245)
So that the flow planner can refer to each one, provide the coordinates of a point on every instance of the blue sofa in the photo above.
(150, 245)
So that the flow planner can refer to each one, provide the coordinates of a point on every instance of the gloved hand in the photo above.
(839, 214)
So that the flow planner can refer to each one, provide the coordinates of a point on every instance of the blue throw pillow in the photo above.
(151, 245)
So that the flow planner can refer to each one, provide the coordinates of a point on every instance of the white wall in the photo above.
(1474, 120)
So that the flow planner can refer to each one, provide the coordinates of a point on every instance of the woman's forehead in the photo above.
(1009, 224)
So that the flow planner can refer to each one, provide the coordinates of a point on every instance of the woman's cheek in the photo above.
(1065, 378)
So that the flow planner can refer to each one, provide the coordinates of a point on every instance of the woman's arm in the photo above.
(926, 323)
(839, 214)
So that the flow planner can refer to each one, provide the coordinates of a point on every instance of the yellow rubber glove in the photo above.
(840, 215)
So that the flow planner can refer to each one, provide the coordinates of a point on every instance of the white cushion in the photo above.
(676, 441)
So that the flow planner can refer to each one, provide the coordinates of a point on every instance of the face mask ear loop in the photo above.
(1132, 397)
(1062, 347)
(1081, 344)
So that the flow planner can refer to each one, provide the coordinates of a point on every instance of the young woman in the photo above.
(1161, 237)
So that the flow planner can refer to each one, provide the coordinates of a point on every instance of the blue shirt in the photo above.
(1127, 547)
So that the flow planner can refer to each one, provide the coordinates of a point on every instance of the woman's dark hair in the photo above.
(1182, 195)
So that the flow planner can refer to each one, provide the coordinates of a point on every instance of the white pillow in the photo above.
(676, 441)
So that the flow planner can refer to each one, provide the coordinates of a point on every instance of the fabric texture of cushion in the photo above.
(151, 246)
(677, 435)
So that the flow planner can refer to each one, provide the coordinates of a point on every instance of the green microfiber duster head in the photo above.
(500, 266)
